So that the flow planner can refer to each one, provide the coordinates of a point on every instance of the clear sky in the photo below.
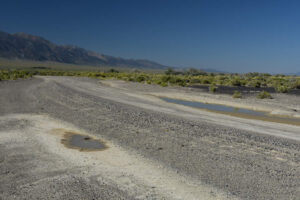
(227, 35)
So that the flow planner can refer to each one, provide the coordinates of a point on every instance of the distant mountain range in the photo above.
(30, 47)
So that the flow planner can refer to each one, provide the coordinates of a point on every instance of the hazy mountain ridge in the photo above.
(30, 47)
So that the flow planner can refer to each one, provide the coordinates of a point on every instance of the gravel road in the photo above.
(156, 150)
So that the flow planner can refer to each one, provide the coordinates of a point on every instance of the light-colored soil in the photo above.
(156, 150)
(281, 104)
(41, 135)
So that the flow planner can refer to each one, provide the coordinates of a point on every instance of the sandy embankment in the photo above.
(282, 104)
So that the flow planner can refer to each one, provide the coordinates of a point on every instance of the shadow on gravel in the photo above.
(82, 142)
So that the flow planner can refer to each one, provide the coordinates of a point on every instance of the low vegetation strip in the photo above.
(281, 83)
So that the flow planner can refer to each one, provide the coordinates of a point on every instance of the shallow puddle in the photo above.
(213, 107)
(82, 142)
(237, 112)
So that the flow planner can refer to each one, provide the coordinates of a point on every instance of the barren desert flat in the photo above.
(152, 149)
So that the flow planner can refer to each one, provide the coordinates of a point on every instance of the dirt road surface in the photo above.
(156, 150)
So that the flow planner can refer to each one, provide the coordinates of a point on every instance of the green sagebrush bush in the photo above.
(264, 95)
(282, 89)
(237, 94)
(212, 88)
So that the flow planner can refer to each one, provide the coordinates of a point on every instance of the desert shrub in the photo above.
(264, 95)
(206, 80)
(220, 80)
(194, 72)
(282, 89)
(236, 82)
(237, 94)
(165, 79)
(296, 84)
(169, 71)
(131, 79)
(255, 83)
(212, 88)
(264, 84)
(163, 84)
(140, 78)
(177, 80)
(195, 80)
(99, 74)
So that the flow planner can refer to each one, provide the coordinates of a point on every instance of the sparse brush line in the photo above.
(280, 83)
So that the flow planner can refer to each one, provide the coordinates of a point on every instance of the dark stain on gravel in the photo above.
(82, 142)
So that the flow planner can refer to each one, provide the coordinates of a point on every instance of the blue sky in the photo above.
(227, 35)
